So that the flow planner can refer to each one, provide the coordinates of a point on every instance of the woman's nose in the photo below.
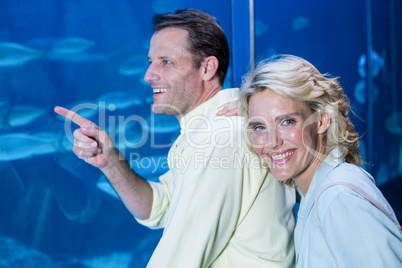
(272, 139)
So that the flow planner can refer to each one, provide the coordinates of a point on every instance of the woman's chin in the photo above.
(281, 175)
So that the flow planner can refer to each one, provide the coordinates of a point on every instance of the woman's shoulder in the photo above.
(340, 181)
(350, 183)
(351, 174)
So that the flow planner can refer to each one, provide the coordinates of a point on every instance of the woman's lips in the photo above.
(281, 157)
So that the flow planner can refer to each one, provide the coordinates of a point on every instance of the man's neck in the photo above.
(206, 95)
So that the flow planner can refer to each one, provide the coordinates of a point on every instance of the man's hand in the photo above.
(96, 147)
(231, 109)
(91, 143)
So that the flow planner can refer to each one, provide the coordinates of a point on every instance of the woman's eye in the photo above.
(288, 122)
(259, 128)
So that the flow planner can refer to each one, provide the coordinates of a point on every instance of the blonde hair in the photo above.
(297, 79)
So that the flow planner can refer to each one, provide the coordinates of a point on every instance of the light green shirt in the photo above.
(217, 204)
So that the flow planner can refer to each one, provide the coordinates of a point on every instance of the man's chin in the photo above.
(163, 111)
(166, 109)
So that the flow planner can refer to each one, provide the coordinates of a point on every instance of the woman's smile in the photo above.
(281, 157)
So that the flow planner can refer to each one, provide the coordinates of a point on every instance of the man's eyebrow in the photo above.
(165, 57)
(161, 58)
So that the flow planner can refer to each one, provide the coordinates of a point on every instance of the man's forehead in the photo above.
(173, 33)
(169, 43)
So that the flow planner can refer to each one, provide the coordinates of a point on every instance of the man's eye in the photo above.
(166, 62)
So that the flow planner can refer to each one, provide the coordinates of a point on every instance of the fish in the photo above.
(5, 109)
(114, 259)
(149, 100)
(85, 108)
(260, 27)
(378, 63)
(77, 58)
(300, 23)
(71, 45)
(394, 123)
(361, 66)
(149, 167)
(15, 146)
(161, 130)
(82, 203)
(105, 187)
(142, 81)
(129, 134)
(360, 92)
(17, 253)
(161, 124)
(271, 52)
(144, 247)
(118, 100)
(13, 54)
(133, 66)
(22, 115)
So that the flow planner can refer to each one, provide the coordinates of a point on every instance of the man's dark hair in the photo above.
(205, 36)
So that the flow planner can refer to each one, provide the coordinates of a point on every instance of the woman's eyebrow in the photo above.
(254, 123)
(297, 114)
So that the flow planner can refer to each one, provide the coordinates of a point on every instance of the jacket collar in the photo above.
(330, 162)
(201, 112)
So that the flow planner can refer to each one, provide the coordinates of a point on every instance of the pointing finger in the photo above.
(73, 116)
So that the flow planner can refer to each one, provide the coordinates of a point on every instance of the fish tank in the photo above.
(91, 57)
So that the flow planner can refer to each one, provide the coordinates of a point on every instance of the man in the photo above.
(217, 205)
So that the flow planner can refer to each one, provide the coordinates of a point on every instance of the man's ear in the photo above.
(210, 66)
(324, 123)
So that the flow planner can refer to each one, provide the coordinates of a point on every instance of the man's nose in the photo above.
(151, 75)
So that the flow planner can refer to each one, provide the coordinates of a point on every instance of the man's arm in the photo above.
(95, 147)
(231, 109)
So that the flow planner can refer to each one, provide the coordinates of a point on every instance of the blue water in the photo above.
(91, 56)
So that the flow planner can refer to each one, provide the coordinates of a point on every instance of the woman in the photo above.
(297, 119)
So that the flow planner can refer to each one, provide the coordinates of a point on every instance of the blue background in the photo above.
(57, 211)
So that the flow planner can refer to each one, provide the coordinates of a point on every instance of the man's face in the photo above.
(176, 84)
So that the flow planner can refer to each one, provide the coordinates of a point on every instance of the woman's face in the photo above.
(285, 133)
